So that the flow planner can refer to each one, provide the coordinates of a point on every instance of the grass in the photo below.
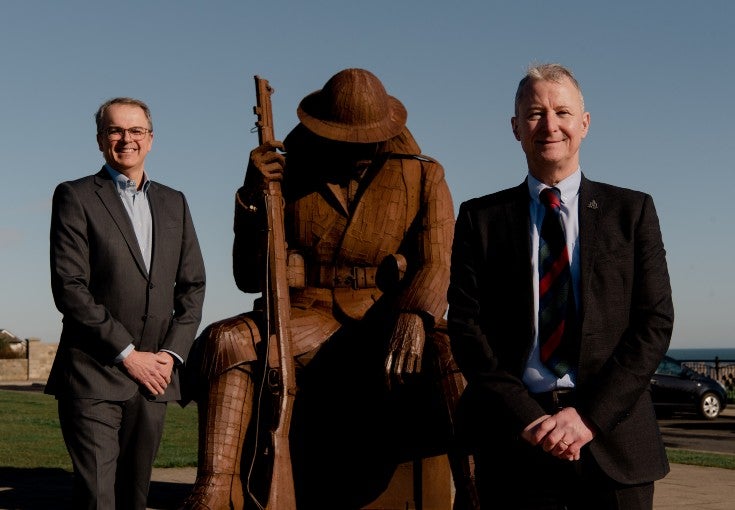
(31, 437)
(720, 460)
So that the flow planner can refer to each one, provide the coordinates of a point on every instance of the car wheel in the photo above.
(710, 406)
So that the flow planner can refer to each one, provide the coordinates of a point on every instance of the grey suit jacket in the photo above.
(626, 321)
(107, 297)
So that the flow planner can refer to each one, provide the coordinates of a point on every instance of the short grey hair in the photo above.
(121, 100)
(545, 72)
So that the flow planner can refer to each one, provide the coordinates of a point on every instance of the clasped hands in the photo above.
(149, 369)
(562, 434)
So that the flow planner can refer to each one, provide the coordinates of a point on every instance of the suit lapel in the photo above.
(518, 216)
(111, 201)
(157, 213)
(589, 208)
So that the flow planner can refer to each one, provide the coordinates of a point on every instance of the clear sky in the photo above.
(657, 77)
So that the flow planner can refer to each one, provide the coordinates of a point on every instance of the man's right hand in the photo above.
(268, 161)
(148, 369)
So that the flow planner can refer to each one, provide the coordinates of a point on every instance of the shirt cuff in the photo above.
(176, 356)
(125, 353)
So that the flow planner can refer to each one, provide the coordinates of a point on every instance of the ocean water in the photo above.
(723, 354)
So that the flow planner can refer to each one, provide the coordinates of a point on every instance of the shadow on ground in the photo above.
(45, 488)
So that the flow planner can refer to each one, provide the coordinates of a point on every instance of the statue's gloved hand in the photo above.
(268, 161)
(406, 348)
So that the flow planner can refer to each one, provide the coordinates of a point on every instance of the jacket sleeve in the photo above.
(639, 277)
(487, 327)
(249, 223)
(427, 290)
(188, 290)
(71, 274)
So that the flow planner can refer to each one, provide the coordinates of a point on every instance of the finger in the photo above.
(413, 364)
(388, 370)
(151, 388)
(417, 364)
(400, 365)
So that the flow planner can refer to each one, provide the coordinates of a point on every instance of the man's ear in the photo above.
(514, 127)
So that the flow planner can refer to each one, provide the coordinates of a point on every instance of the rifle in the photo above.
(281, 373)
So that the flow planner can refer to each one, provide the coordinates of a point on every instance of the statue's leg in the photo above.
(223, 420)
(225, 406)
(460, 462)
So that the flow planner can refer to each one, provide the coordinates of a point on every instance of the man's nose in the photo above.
(550, 121)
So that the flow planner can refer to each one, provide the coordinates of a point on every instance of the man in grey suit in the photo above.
(128, 276)
(564, 412)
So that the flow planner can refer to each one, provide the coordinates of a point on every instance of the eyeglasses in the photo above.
(114, 133)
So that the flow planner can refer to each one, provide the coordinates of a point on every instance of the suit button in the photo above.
(150, 286)
(143, 318)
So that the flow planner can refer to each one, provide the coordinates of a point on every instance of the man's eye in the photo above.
(114, 131)
(136, 131)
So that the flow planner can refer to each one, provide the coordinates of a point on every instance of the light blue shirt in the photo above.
(139, 211)
(537, 377)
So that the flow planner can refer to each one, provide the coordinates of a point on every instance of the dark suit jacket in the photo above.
(626, 321)
(108, 298)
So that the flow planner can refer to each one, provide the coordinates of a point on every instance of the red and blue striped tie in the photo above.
(556, 297)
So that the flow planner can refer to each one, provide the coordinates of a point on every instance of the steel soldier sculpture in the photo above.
(368, 224)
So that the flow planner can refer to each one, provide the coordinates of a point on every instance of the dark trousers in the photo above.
(521, 477)
(112, 446)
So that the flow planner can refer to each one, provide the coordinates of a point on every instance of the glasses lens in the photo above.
(137, 133)
(117, 133)
(114, 133)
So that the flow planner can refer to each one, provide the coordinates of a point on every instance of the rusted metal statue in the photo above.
(368, 224)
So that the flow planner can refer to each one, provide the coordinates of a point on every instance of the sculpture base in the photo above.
(437, 490)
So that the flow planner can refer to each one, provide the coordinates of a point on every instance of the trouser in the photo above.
(112, 446)
(523, 477)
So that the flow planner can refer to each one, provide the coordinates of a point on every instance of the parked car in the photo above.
(675, 387)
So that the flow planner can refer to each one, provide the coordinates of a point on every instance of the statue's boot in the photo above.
(223, 421)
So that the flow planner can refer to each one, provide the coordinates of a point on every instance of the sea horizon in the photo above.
(704, 354)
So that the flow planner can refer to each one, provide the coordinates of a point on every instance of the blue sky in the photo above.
(657, 77)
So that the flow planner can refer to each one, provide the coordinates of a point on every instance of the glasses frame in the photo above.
(119, 133)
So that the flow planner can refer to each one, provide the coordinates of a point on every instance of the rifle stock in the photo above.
(281, 495)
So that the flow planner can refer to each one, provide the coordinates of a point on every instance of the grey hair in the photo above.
(121, 100)
(545, 72)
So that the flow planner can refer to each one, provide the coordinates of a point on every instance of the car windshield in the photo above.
(670, 367)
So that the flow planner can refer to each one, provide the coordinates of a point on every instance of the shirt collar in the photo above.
(569, 187)
(125, 185)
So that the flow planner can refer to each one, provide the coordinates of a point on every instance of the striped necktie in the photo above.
(556, 296)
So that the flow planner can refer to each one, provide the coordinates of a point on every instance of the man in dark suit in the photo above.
(568, 419)
(128, 276)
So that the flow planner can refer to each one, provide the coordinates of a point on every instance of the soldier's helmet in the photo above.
(353, 107)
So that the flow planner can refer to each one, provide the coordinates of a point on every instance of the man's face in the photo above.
(550, 124)
(125, 155)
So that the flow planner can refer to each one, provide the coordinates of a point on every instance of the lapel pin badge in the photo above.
(592, 205)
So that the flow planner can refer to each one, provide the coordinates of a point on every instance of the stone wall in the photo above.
(14, 369)
(40, 358)
(34, 368)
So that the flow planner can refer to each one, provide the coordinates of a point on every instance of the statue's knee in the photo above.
(226, 344)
